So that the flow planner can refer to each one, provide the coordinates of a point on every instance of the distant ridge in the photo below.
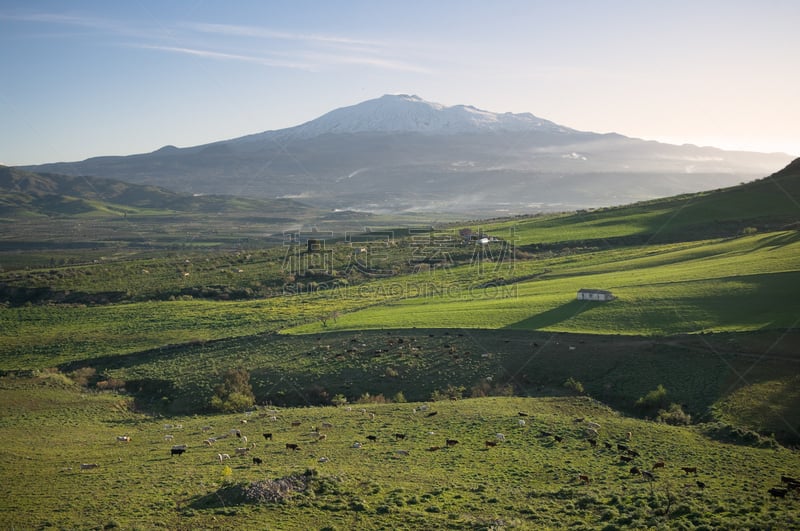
(402, 153)
(28, 193)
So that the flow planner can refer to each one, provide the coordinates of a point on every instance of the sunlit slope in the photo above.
(748, 283)
(767, 204)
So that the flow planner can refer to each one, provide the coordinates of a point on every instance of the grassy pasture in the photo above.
(528, 481)
(748, 283)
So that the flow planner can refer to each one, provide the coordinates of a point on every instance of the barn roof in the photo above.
(598, 291)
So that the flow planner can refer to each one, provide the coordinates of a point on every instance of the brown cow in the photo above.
(658, 464)
(292, 446)
(584, 478)
(689, 469)
(490, 444)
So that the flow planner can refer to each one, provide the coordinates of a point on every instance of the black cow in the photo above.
(176, 451)
(268, 436)
(257, 461)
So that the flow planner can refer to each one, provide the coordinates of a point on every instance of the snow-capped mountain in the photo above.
(411, 114)
(400, 152)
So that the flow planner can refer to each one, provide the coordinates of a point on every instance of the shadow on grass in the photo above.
(557, 315)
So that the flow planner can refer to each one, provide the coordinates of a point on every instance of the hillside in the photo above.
(769, 203)
(24, 193)
(355, 473)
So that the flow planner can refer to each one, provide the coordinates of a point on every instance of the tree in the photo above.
(234, 393)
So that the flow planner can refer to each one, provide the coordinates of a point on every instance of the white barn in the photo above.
(595, 295)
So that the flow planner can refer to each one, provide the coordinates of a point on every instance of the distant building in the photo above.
(595, 295)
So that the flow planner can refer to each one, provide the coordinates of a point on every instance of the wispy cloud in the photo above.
(322, 50)
(257, 32)
(229, 42)
(210, 54)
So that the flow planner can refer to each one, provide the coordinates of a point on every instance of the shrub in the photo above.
(574, 385)
(234, 393)
(674, 415)
(653, 400)
(83, 376)
(451, 393)
(367, 398)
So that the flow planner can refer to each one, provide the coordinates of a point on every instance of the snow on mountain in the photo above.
(405, 113)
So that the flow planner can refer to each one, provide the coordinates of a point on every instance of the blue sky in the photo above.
(83, 78)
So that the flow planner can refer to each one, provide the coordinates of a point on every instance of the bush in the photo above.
(83, 376)
(574, 385)
(234, 393)
(674, 415)
(367, 398)
(451, 393)
(655, 399)
(339, 400)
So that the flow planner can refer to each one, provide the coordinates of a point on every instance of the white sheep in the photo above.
(500, 437)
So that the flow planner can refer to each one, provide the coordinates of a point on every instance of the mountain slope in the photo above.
(403, 153)
(770, 203)
(28, 193)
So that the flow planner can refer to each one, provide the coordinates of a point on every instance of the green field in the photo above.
(748, 283)
(527, 481)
